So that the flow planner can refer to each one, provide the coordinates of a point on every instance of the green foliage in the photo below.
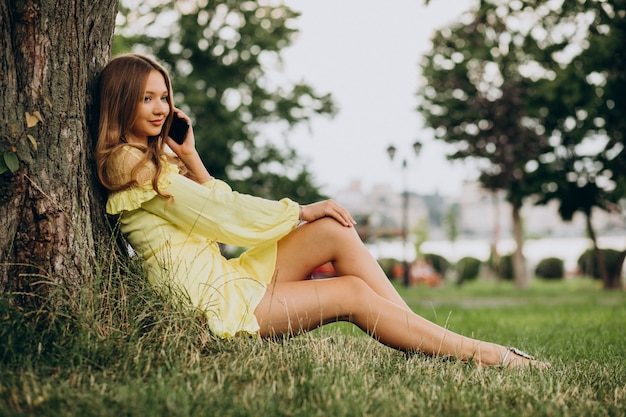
(588, 264)
(218, 54)
(475, 95)
(528, 100)
(467, 269)
(478, 83)
(9, 160)
(505, 267)
(550, 268)
(438, 262)
(583, 102)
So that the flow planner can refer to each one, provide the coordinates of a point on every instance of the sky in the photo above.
(367, 56)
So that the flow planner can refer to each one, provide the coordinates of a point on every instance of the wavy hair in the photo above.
(122, 85)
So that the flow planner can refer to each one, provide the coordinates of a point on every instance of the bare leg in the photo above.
(362, 295)
(325, 240)
(293, 307)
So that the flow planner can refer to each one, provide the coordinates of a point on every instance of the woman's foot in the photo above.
(515, 358)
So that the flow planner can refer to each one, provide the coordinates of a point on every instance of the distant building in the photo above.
(482, 214)
(380, 211)
(483, 218)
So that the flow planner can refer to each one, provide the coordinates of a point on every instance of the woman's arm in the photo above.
(188, 154)
(218, 213)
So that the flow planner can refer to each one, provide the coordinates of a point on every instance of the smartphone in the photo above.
(178, 129)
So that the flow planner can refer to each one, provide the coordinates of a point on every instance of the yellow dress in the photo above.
(178, 240)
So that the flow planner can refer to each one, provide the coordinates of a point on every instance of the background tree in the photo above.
(219, 53)
(475, 96)
(50, 214)
(582, 109)
(557, 78)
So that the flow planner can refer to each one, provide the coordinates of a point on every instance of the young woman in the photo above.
(174, 213)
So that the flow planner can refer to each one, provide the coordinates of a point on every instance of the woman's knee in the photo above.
(334, 231)
(357, 290)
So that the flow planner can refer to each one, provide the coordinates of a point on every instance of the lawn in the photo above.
(141, 357)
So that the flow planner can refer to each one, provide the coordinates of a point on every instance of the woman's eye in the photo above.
(164, 98)
(146, 99)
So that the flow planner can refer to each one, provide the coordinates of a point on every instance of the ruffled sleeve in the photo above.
(211, 210)
(131, 198)
(216, 212)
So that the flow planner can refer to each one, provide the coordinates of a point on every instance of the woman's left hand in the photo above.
(327, 208)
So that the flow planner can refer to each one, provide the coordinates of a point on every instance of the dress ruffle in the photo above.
(132, 198)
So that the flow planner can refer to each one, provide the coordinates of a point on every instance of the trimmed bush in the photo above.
(438, 262)
(505, 268)
(588, 266)
(550, 268)
(467, 269)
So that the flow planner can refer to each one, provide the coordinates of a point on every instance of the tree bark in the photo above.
(51, 208)
(519, 265)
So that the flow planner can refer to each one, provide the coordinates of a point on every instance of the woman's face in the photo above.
(152, 110)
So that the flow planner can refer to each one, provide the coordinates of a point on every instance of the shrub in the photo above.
(438, 262)
(588, 265)
(550, 268)
(467, 269)
(505, 267)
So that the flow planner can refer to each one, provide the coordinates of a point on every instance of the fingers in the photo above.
(328, 208)
(340, 214)
(179, 113)
(188, 145)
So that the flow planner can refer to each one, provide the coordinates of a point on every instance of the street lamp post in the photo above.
(391, 150)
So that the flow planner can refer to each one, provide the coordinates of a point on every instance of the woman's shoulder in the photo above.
(125, 154)
(127, 161)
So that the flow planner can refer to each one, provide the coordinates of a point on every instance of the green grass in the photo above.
(119, 350)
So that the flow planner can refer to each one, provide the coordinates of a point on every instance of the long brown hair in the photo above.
(122, 85)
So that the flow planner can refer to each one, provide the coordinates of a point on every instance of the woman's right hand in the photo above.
(188, 154)
(327, 208)
(186, 149)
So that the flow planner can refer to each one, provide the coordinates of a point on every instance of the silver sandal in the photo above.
(518, 352)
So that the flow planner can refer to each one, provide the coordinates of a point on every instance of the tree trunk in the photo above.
(494, 254)
(597, 253)
(51, 208)
(610, 280)
(615, 282)
(519, 266)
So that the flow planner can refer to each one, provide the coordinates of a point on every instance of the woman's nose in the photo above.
(162, 107)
